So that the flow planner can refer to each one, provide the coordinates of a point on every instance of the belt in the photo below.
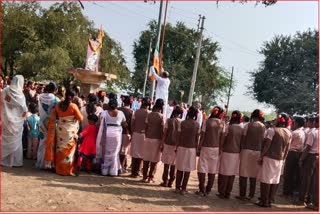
(113, 125)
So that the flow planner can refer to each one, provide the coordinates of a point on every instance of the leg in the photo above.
(179, 180)
(306, 177)
(145, 169)
(252, 187)
(122, 162)
(152, 172)
(229, 186)
(202, 180)
(222, 185)
(210, 182)
(242, 187)
(88, 164)
(29, 150)
(185, 181)
(165, 175)
(273, 191)
(139, 166)
(265, 192)
(35, 148)
(288, 174)
(133, 167)
(172, 175)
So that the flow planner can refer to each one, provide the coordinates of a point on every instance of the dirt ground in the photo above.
(28, 189)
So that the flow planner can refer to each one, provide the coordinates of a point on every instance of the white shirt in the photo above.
(313, 141)
(297, 140)
(199, 118)
(162, 90)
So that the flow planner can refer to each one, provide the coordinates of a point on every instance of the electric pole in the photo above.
(229, 90)
(195, 69)
(147, 69)
(153, 86)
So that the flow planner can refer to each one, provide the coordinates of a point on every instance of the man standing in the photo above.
(162, 89)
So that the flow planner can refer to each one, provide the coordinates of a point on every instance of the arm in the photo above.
(77, 113)
(156, 76)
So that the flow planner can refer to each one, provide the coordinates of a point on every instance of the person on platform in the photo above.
(162, 89)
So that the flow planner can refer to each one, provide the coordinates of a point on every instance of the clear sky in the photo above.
(239, 28)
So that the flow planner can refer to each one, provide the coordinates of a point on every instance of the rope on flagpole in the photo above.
(163, 33)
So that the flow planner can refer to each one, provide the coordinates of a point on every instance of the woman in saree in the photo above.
(13, 112)
(109, 139)
(60, 149)
(47, 102)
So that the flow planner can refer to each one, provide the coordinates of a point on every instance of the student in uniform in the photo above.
(291, 169)
(154, 131)
(307, 161)
(188, 137)
(272, 157)
(212, 136)
(251, 143)
(168, 146)
(126, 132)
(138, 127)
(230, 156)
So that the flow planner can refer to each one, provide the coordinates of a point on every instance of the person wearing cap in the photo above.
(308, 160)
(274, 152)
(291, 170)
(162, 89)
(251, 143)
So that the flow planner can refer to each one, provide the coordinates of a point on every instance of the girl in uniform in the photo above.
(152, 152)
(188, 137)
(138, 136)
(212, 136)
(230, 155)
(169, 142)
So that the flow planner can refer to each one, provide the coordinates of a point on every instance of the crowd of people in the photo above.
(67, 133)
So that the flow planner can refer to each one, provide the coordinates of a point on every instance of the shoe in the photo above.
(144, 180)
(177, 191)
(261, 204)
(183, 192)
(220, 195)
(163, 184)
(151, 180)
(200, 193)
(241, 198)
(170, 184)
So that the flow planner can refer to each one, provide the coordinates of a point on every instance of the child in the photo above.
(230, 156)
(212, 136)
(168, 146)
(87, 148)
(33, 122)
(188, 137)
(152, 152)
(138, 136)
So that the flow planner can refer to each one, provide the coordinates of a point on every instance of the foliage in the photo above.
(288, 75)
(178, 58)
(45, 43)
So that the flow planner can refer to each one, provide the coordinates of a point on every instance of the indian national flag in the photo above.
(156, 62)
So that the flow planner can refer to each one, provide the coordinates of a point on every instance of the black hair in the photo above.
(126, 100)
(51, 87)
(176, 111)
(146, 101)
(158, 105)
(216, 112)
(93, 118)
(29, 83)
(76, 89)
(235, 117)
(192, 113)
(33, 108)
(113, 103)
(300, 121)
(67, 100)
(257, 113)
(246, 119)
(282, 120)
(112, 95)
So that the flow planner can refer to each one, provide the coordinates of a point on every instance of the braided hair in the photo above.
(283, 120)
(192, 113)
(236, 117)
(217, 112)
(257, 113)
(158, 105)
(177, 111)
(68, 99)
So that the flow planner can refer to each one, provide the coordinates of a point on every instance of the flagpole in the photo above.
(157, 46)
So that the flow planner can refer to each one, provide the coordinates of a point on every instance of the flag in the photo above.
(156, 62)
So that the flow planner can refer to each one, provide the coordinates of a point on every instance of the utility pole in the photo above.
(195, 68)
(153, 86)
(229, 91)
(147, 69)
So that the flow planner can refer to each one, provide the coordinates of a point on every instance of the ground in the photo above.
(29, 189)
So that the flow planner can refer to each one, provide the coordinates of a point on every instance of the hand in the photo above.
(198, 152)
(161, 147)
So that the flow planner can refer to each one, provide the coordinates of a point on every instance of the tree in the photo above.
(178, 56)
(43, 44)
(288, 75)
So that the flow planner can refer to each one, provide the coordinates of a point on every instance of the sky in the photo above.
(239, 28)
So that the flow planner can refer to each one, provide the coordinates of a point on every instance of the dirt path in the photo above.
(29, 189)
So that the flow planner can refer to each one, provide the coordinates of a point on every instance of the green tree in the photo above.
(178, 58)
(45, 43)
(288, 75)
